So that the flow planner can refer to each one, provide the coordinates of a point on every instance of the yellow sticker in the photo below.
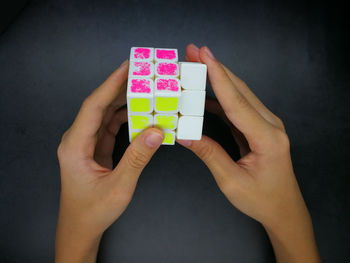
(166, 122)
(134, 135)
(140, 105)
(139, 122)
(168, 138)
(166, 103)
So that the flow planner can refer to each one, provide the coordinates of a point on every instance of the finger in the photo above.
(90, 117)
(192, 53)
(216, 159)
(253, 99)
(137, 155)
(237, 109)
(106, 142)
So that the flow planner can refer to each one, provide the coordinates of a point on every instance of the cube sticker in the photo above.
(166, 54)
(167, 69)
(165, 122)
(142, 54)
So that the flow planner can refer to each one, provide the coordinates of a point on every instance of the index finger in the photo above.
(90, 116)
(236, 107)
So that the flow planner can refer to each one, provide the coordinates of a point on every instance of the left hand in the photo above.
(94, 195)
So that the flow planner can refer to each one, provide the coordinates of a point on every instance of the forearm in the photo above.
(75, 245)
(293, 240)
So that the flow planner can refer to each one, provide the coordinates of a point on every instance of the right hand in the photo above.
(262, 183)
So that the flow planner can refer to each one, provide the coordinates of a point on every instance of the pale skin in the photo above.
(261, 184)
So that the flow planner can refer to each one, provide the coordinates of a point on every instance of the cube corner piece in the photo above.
(142, 54)
(189, 128)
(193, 75)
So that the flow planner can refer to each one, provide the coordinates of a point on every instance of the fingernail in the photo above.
(197, 48)
(125, 61)
(153, 140)
(185, 143)
(207, 50)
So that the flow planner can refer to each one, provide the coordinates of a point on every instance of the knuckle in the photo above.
(123, 196)
(61, 147)
(279, 123)
(136, 158)
(242, 82)
(281, 141)
(60, 151)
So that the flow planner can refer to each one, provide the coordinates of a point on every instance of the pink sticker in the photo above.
(165, 68)
(165, 54)
(142, 69)
(140, 85)
(167, 84)
(142, 53)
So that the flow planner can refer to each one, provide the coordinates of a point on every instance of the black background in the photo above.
(293, 55)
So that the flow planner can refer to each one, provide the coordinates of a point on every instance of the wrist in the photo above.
(75, 241)
(75, 245)
(293, 239)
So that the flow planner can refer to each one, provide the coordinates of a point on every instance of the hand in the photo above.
(262, 183)
(94, 195)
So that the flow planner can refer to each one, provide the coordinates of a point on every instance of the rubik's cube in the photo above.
(165, 93)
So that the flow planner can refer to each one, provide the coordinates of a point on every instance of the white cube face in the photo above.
(165, 121)
(193, 75)
(142, 54)
(165, 54)
(192, 102)
(167, 69)
(141, 69)
(189, 128)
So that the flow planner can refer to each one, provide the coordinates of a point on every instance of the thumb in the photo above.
(216, 158)
(138, 154)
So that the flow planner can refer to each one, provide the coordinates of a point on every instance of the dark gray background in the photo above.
(293, 55)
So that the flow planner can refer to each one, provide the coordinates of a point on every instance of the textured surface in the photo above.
(294, 56)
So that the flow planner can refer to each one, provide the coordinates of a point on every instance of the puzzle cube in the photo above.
(142, 54)
(192, 102)
(138, 123)
(165, 121)
(167, 69)
(166, 95)
(155, 94)
(190, 128)
(142, 69)
(193, 75)
(166, 54)
(140, 96)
